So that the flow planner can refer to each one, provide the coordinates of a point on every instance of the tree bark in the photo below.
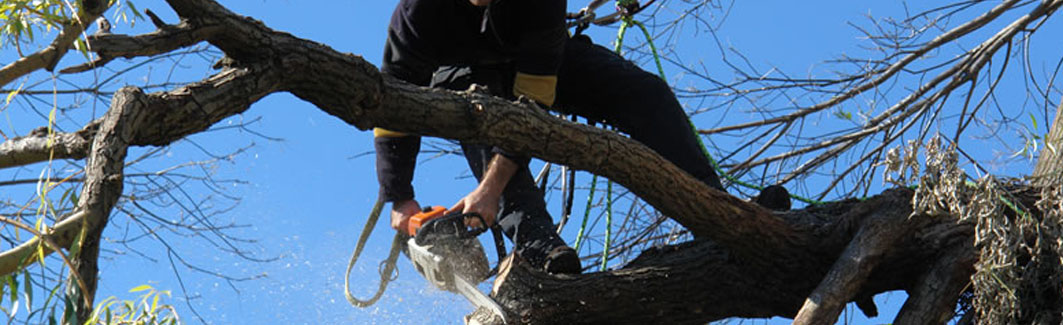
(701, 281)
(1049, 168)
(102, 188)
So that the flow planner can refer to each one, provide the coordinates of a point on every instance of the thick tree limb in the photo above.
(49, 56)
(34, 147)
(700, 281)
(102, 188)
(879, 234)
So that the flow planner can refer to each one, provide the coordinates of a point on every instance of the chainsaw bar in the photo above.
(451, 264)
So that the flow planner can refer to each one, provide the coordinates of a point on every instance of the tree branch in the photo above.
(933, 300)
(163, 40)
(35, 147)
(157, 119)
(49, 56)
(879, 234)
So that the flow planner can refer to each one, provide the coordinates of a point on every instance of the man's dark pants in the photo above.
(597, 84)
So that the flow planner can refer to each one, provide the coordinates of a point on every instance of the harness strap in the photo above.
(387, 267)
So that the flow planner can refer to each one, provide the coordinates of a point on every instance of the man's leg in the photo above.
(522, 211)
(596, 83)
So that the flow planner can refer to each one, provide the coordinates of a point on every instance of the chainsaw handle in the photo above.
(475, 231)
(430, 213)
(449, 226)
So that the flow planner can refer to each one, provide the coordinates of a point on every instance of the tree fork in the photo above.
(878, 233)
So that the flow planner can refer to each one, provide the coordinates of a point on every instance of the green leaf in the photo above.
(66, 195)
(40, 252)
(12, 94)
(13, 284)
(29, 290)
(140, 288)
(134, 9)
(71, 316)
(82, 47)
(843, 115)
(105, 308)
(29, 30)
(48, 300)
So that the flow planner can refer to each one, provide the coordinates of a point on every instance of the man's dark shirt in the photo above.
(426, 34)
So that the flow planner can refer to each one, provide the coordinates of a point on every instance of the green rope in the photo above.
(627, 21)
(586, 213)
(608, 223)
(609, 184)
(620, 36)
(649, 40)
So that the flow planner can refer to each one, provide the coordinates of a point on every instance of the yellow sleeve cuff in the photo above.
(380, 132)
(542, 89)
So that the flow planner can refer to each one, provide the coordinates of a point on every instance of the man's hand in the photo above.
(401, 211)
(484, 199)
(481, 201)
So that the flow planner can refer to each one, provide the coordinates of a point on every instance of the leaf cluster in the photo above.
(145, 309)
(23, 21)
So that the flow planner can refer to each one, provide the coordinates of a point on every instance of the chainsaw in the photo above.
(448, 254)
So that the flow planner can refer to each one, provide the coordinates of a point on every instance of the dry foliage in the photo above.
(1019, 275)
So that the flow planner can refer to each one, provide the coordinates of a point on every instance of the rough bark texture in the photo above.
(745, 262)
(1049, 168)
(702, 281)
(102, 188)
(34, 147)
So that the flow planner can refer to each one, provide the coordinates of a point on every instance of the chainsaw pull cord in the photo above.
(387, 267)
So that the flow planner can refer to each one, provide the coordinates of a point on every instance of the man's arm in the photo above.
(542, 43)
(396, 157)
(484, 199)
(406, 57)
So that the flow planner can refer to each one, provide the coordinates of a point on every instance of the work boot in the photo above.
(774, 197)
(562, 260)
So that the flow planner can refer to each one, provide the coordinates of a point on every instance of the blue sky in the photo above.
(306, 196)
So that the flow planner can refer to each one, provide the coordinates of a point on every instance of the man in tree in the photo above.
(522, 48)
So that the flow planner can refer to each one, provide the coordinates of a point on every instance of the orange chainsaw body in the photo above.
(419, 219)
